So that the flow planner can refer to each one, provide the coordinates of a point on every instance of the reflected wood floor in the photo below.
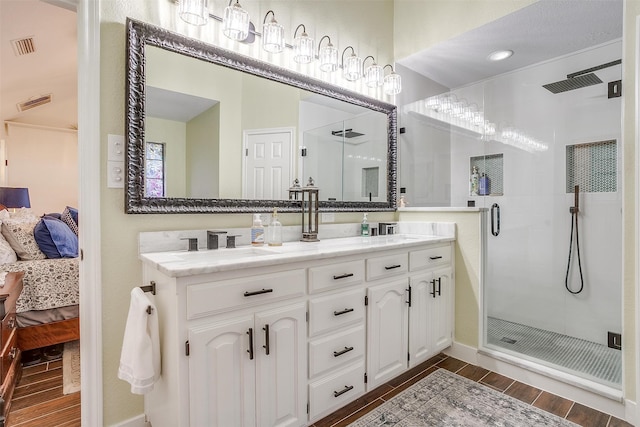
(38, 400)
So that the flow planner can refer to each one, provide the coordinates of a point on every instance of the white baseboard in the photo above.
(138, 421)
(618, 407)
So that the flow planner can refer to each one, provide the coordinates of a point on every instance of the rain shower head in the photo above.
(573, 83)
(579, 79)
(347, 133)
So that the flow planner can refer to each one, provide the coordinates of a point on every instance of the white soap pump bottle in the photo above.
(257, 231)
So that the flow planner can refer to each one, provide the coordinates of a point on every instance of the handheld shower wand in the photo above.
(575, 209)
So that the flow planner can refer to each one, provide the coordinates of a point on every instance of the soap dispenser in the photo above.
(274, 231)
(257, 231)
(364, 227)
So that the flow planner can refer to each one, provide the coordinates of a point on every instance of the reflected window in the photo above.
(154, 166)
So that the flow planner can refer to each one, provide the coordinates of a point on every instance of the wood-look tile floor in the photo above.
(38, 400)
(572, 411)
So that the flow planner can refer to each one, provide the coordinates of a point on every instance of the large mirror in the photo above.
(209, 130)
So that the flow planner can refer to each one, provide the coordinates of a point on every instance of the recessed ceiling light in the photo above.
(499, 55)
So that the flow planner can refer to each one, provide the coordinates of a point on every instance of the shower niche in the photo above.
(489, 168)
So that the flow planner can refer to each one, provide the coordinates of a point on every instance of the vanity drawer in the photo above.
(386, 266)
(431, 257)
(337, 349)
(214, 297)
(334, 391)
(335, 311)
(335, 275)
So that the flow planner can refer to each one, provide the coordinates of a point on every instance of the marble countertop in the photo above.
(184, 263)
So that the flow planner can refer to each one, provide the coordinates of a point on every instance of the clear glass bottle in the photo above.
(364, 227)
(475, 177)
(274, 231)
(257, 231)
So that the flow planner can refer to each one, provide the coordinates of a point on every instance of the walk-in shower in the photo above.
(551, 279)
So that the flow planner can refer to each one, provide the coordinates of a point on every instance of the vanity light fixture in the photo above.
(328, 56)
(392, 82)
(272, 34)
(302, 46)
(235, 23)
(194, 12)
(373, 74)
(352, 66)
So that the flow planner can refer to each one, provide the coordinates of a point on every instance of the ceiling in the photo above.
(51, 69)
(539, 32)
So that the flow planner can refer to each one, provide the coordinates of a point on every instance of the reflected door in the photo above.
(267, 164)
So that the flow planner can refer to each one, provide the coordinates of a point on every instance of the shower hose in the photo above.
(574, 224)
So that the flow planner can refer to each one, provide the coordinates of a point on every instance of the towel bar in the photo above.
(149, 288)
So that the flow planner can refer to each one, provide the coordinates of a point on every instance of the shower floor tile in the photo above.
(585, 358)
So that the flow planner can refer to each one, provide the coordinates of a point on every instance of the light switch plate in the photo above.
(115, 148)
(115, 174)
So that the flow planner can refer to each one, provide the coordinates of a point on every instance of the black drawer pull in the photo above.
(345, 311)
(433, 258)
(250, 351)
(346, 389)
(439, 284)
(391, 267)
(266, 339)
(343, 276)
(433, 291)
(264, 291)
(341, 352)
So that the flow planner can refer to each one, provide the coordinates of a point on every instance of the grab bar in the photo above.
(495, 219)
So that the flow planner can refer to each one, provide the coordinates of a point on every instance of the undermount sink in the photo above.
(224, 254)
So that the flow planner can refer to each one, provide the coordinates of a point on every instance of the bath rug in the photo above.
(444, 399)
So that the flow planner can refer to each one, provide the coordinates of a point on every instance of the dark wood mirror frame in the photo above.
(140, 35)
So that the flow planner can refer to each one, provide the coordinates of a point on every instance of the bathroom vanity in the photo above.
(286, 335)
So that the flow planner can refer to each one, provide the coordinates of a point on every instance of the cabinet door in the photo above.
(281, 374)
(420, 330)
(387, 331)
(441, 311)
(221, 374)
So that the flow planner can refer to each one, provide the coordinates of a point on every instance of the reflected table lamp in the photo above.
(13, 198)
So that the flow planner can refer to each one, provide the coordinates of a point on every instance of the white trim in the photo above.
(138, 421)
(637, 216)
(245, 142)
(8, 123)
(88, 20)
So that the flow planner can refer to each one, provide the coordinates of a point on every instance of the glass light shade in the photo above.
(374, 75)
(392, 84)
(352, 68)
(303, 49)
(328, 57)
(194, 12)
(235, 23)
(273, 37)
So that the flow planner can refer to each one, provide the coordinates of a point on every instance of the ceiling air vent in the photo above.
(34, 102)
(23, 46)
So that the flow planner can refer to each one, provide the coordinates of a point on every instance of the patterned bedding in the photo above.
(47, 283)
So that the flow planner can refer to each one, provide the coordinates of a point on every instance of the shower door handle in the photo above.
(495, 219)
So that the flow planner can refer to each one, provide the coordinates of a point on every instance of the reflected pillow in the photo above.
(19, 234)
(7, 254)
(55, 238)
(70, 217)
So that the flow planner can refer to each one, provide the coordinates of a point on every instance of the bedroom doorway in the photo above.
(39, 142)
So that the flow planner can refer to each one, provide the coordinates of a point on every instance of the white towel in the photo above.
(140, 357)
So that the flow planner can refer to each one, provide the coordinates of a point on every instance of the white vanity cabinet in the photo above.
(249, 371)
(233, 349)
(289, 341)
(431, 302)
